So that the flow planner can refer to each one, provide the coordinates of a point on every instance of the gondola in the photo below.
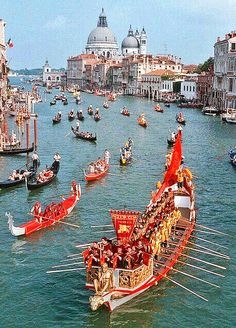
(142, 122)
(80, 116)
(167, 105)
(55, 213)
(33, 183)
(97, 117)
(71, 116)
(65, 102)
(158, 108)
(84, 135)
(14, 151)
(125, 160)
(90, 111)
(125, 112)
(56, 119)
(105, 105)
(12, 183)
(53, 102)
(180, 120)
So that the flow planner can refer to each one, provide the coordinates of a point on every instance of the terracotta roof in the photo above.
(83, 56)
(160, 72)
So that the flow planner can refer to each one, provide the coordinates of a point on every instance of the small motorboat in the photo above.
(80, 115)
(210, 111)
(84, 135)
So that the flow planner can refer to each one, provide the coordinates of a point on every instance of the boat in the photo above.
(80, 116)
(125, 111)
(71, 116)
(229, 116)
(97, 170)
(78, 100)
(97, 117)
(210, 111)
(105, 105)
(111, 97)
(56, 119)
(180, 119)
(53, 213)
(53, 102)
(129, 277)
(90, 110)
(84, 135)
(166, 104)
(23, 174)
(126, 153)
(142, 121)
(158, 108)
(12, 150)
(45, 177)
(65, 102)
(232, 156)
(190, 105)
(171, 140)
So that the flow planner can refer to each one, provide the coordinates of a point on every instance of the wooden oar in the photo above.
(65, 270)
(59, 221)
(67, 134)
(72, 259)
(65, 265)
(208, 241)
(202, 226)
(188, 275)
(200, 251)
(102, 226)
(189, 290)
(197, 267)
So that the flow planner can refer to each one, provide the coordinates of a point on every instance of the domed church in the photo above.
(134, 44)
(101, 40)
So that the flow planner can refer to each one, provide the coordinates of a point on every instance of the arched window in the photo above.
(105, 38)
(49, 78)
(94, 38)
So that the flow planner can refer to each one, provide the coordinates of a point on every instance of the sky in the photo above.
(57, 29)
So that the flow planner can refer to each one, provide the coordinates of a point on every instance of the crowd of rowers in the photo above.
(150, 237)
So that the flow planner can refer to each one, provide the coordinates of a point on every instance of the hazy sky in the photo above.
(57, 29)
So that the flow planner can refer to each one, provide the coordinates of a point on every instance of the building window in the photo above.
(231, 85)
(184, 87)
(190, 88)
(193, 88)
(187, 88)
(233, 46)
(143, 41)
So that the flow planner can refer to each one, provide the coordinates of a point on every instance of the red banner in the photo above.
(124, 222)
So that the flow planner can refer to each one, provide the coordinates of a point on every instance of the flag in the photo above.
(124, 222)
(10, 43)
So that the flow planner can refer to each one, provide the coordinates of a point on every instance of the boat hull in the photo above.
(6, 152)
(94, 177)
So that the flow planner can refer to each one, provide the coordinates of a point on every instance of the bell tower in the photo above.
(143, 42)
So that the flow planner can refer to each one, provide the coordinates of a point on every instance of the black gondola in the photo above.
(84, 135)
(33, 183)
(180, 121)
(97, 117)
(65, 102)
(80, 116)
(53, 102)
(170, 142)
(56, 119)
(71, 116)
(90, 111)
(11, 183)
(14, 151)
(166, 104)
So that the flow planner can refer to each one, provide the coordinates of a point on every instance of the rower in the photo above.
(107, 156)
(77, 126)
(36, 210)
(180, 179)
(36, 162)
(57, 157)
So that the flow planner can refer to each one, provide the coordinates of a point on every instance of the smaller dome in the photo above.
(130, 42)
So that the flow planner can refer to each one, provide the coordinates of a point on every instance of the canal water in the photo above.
(31, 298)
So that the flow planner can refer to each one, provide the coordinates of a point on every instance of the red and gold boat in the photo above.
(116, 284)
(52, 214)
(97, 170)
(142, 121)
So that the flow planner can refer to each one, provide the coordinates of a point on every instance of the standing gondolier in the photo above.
(107, 156)
(36, 161)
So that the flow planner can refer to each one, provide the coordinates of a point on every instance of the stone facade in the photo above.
(224, 84)
(3, 67)
(189, 89)
(51, 77)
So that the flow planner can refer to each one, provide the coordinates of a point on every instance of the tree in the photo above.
(205, 67)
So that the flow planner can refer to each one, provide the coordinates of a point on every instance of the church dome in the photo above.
(130, 41)
(101, 34)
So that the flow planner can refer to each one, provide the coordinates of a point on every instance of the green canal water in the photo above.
(31, 298)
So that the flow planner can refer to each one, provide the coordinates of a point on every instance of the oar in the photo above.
(59, 221)
(102, 226)
(189, 290)
(208, 241)
(65, 265)
(68, 134)
(72, 259)
(65, 270)
(188, 275)
(197, 267)
(200, 251)
(202, 226)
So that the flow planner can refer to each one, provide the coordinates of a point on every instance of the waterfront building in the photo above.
(114, 79)
(154, 83)
(101, 41)
(49, 76)
(3, 67)
(134, 43)
(76, 68)
(224, 84)
(204, 87)
(189, 89)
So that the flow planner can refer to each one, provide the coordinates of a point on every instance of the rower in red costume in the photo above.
(75, 188)
(36, 210)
